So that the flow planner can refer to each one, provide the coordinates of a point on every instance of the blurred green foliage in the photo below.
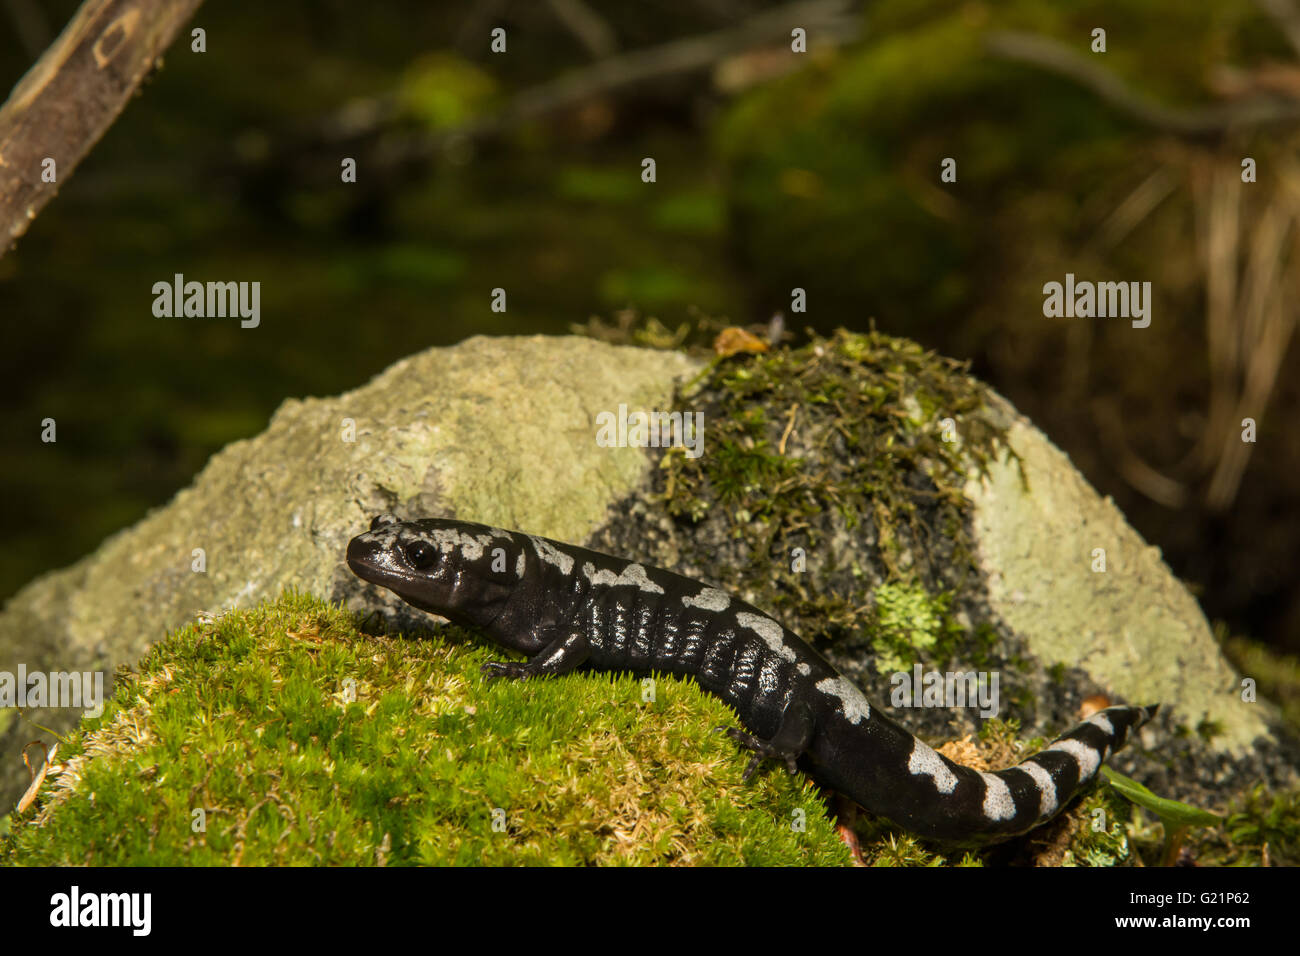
(354, 276)
(825, 179)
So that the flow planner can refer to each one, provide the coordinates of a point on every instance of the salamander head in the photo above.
(436, 564)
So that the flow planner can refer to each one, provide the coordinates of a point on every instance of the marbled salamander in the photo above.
(567, 607)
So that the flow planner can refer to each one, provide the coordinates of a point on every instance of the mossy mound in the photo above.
(439, 432)
(249, 721)
(288, 735)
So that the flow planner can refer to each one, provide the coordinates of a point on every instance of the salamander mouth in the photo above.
(371, 561)
(377, 562)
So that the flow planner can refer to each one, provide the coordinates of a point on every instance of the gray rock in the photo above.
(498, 430)
(1133, 627)
(502, 431)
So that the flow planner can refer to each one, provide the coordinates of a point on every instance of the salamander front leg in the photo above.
(562, 655)
(789, 744)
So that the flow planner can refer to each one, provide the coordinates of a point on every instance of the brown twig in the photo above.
(1139, 204)
(1056, 57)
(66, 102)
(587, 26)
(1267, 327)
(609, 76)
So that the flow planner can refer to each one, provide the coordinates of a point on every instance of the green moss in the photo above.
(856, 434)
(1102, 833)
(1260, 827)
(903, 850)
(1004, 734)
(1208, 729)
(911, 624)
(304, 739)
(250, 719)
(444, 91)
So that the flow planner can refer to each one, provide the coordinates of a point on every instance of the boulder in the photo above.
(495, 429)
(889, 470)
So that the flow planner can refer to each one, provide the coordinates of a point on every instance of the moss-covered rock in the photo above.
(493, 429)
(835, 188)
(872, 495)
(284, 735)
(933, 525)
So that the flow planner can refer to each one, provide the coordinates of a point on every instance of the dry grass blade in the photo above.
(1221, 251)
(1138, 205)
(1139, 475)
(38, 775)
(1270, 319)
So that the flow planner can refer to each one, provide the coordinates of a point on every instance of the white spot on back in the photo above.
(1086, 757)
(1046, 787)
(926, 762)
(804, 669)
(445, 539)
(473, 545)
(552, 555)
(998, 804)
(772, 633)
(853, 704)
(633, 575)
(710, 599)
(520, 564)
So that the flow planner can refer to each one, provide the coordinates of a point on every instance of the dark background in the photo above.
(774, 171)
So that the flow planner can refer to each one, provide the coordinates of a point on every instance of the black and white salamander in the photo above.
(568, 607)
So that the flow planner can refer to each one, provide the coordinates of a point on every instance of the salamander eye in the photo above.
(380, 521)
(421, 555)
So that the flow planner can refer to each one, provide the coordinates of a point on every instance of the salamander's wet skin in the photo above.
(566, 607)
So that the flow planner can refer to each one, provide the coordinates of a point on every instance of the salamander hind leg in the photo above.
(788, 745)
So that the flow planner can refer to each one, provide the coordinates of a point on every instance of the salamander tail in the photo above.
(1022, 797)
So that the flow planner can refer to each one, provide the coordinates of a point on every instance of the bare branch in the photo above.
(66, 102)
(678, 56)
(588, 26)
(1056, 57)
(617, 73)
